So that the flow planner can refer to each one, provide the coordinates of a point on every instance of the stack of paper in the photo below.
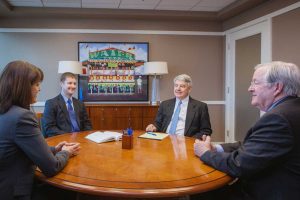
(105, 136)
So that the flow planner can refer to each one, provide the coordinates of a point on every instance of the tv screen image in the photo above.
(113, 71)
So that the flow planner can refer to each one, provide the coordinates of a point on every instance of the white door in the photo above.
(246, 47)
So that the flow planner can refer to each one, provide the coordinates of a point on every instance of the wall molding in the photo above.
(110, 31)
(214, 102)
(42, 103)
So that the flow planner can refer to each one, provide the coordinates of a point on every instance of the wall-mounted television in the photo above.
(113, 71)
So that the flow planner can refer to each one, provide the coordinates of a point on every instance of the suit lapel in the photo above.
(190, 113)
(169, 111)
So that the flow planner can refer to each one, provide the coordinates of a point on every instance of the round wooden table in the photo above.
(153, 168)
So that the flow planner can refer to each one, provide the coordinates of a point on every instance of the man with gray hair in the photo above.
(267, 162)
(182, 115)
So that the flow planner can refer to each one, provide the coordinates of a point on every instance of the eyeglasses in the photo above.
(256, 83)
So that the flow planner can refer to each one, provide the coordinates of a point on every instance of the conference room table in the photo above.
(151, 169)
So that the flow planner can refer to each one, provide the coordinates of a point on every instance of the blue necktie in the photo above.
(72, 115)
(175, 119)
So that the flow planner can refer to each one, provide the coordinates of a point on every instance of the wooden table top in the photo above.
(153, 168)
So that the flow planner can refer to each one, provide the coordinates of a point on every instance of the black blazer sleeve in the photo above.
(265, 145)
(160, 118)
(50, 125)
(164, 115)
(30, 140)
(229, 147)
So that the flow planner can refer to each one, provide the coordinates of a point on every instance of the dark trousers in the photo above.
(43, 191)
(229, 192)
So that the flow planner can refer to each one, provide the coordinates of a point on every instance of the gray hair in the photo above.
(185, 78)
(286, 73)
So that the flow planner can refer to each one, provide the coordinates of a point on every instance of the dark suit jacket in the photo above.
(197, 120)
(22, 147)
(56, 118)
(268, 160)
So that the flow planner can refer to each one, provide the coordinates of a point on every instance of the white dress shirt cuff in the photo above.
(219, 148)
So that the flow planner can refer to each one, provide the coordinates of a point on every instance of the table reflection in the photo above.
(179, 147)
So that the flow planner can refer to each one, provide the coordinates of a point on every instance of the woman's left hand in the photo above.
(59, 146)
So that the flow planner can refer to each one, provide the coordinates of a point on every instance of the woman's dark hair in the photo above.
(15, 84)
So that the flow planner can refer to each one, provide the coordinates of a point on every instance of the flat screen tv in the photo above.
(113, 71)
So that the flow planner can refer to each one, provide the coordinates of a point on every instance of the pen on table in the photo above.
(151, 133)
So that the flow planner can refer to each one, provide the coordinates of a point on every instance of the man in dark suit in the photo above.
(192, 118)
(65, 113)
(267, 162)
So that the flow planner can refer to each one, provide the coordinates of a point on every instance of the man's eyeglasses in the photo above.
(256, 83)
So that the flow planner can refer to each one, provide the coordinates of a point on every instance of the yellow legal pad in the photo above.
(154, 135)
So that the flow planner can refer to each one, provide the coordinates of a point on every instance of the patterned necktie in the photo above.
(175, 119)
(72, 115)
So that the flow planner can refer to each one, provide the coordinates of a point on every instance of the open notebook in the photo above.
(105, 136)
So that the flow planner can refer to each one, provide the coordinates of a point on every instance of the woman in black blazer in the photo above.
(22, 146)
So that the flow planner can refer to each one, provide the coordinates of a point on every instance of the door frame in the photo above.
(264, 28)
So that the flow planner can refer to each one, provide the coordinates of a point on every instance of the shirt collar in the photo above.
(66, 98)
(184, 101)
(276, 103)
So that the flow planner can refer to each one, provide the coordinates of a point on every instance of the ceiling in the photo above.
(219, 10)
(178, 5)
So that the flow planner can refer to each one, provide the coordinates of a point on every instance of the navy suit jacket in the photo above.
(197, 121)
(268, 160)
(22, 147)
(56, 118)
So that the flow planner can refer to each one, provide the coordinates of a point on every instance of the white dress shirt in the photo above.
(66, 100)
(182, 116)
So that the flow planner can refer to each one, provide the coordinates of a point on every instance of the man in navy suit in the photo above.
(193, 117)
(267, 162)
(65, 113)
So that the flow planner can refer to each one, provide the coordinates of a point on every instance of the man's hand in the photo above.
(201, 146)
(151, 128)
